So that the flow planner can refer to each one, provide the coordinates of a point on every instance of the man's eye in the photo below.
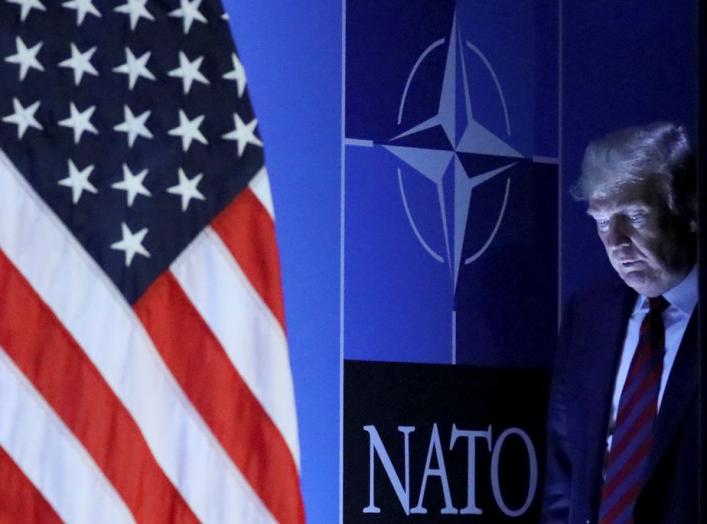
(602, 224)
(637, 218)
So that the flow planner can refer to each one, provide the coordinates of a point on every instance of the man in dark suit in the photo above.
(623, 431)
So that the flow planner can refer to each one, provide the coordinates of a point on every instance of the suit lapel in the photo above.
(681, 387)
(608, 333)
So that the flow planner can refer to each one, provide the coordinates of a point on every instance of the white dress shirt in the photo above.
(683, 299)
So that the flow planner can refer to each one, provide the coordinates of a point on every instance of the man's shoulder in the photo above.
(593, 325)
(609, 291)
(597, 311)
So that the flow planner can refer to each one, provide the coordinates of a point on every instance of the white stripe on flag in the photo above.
(244, 326)
(51, 456)
(93, 311)
(260, 185)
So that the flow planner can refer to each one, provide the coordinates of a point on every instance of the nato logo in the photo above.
(450, 213)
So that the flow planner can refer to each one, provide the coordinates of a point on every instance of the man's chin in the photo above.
(644, 283)
(640, 282)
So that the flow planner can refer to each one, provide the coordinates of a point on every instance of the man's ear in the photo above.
(693, 226)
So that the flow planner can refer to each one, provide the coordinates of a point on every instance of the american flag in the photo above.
(144, 369)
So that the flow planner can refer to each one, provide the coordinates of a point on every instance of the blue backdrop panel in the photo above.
(391, 284)
(451, 182)
(623, 63)
(292, 56)
(506, 301)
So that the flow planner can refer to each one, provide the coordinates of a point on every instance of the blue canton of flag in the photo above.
(135, 114)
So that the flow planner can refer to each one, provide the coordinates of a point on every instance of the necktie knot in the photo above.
(658, 304)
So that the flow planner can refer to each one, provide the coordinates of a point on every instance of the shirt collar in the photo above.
(683, 296)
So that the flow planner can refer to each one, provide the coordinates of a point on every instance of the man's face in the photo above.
(648, 246)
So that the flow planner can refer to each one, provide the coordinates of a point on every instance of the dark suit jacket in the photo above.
(591, 338)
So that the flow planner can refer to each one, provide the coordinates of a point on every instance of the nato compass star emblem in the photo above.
(472, 155)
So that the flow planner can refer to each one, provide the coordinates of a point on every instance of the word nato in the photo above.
(402, 488)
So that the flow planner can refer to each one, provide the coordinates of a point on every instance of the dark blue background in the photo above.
(624, 63)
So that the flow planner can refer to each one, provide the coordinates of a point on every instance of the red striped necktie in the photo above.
(633, 432)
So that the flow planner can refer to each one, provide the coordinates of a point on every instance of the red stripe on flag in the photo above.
(249, 233)
(58, 368)
(20, 501)
(215, 388)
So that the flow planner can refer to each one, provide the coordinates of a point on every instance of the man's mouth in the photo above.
(630, 264)
(626, 258)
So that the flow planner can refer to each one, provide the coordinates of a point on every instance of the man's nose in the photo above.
(618, 233)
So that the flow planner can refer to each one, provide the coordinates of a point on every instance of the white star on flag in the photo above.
(23, 117)
(26, 6)
(134, 126)
(80, 63)
(25, 57)
(78, 181)
(189, 72)
(82, 8)
(186, 188)
(136, 10)
(188, 130)
(135, 67)
(243, 133)
(80, 122)
(237, 74)
(189, 11)
(131, 244)
(132, 184)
